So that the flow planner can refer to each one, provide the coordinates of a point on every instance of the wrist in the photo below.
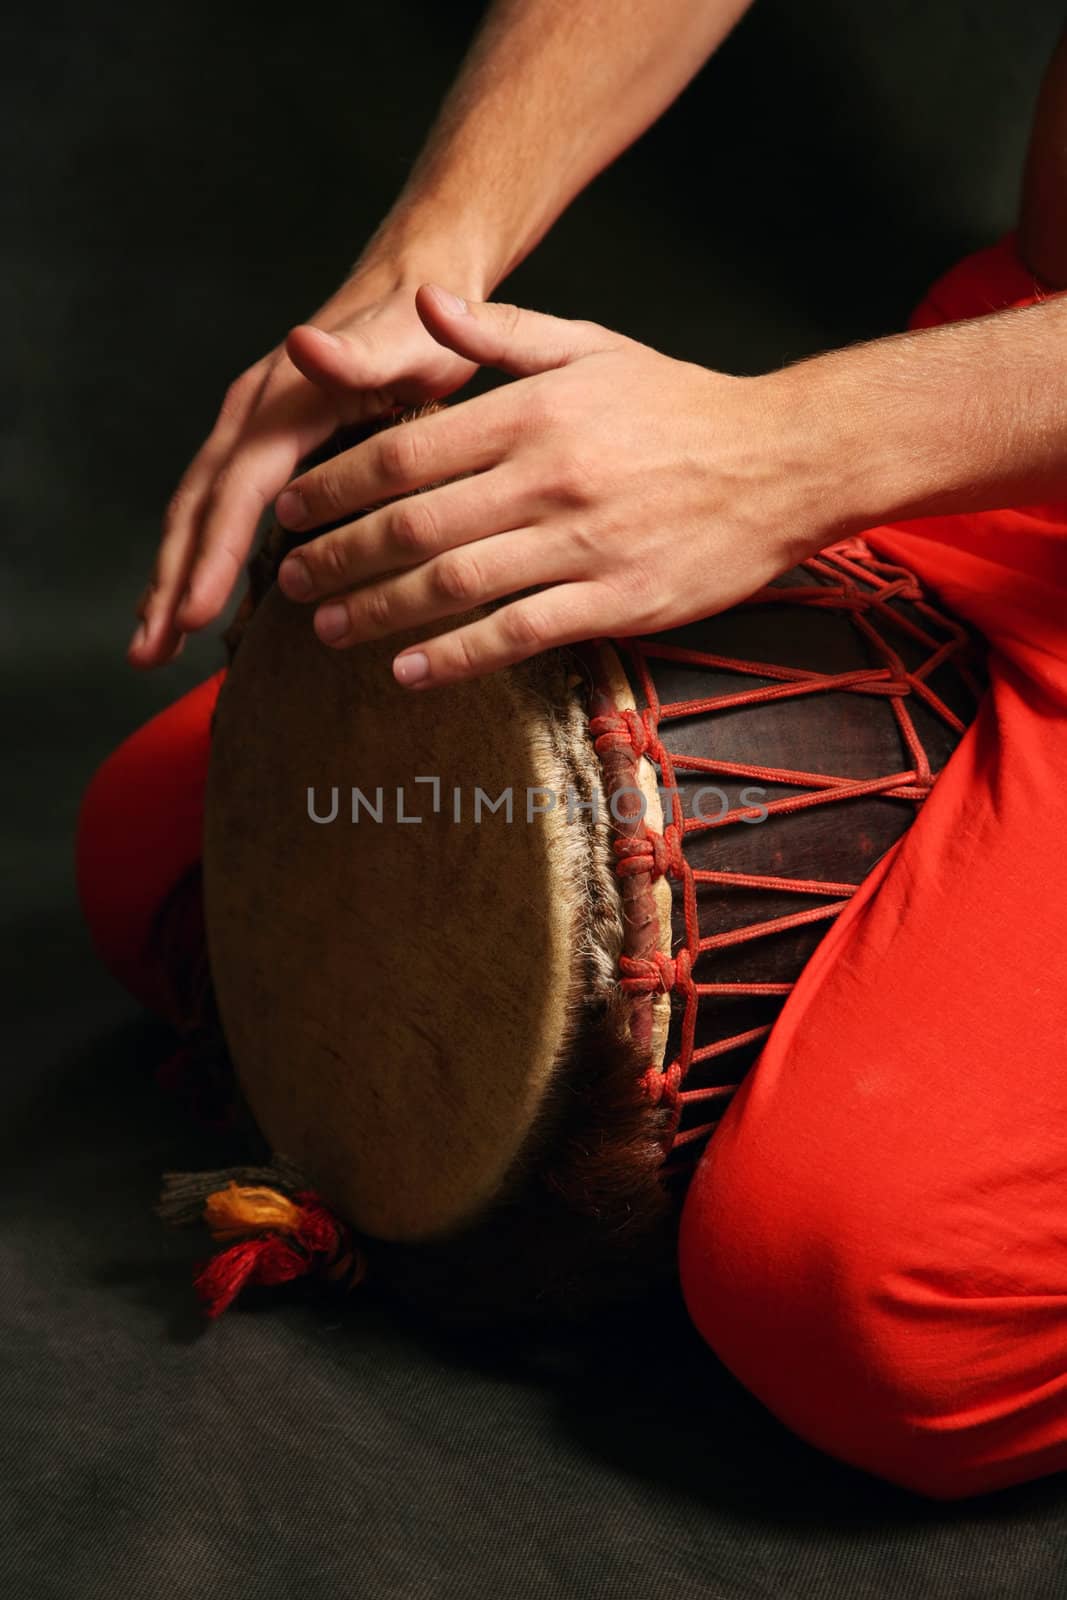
(823, 462)
(416, 245)
(867, 443)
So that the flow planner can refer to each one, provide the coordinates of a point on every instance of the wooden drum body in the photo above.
(409, 980)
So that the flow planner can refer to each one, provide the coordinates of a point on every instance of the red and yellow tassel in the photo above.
(271, 1237)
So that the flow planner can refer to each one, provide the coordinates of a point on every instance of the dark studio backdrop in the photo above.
(185, 183)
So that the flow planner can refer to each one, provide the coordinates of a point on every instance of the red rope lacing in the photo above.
(849, 579)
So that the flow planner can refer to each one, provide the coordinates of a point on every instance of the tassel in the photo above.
(232, 1212)
(277, 1236)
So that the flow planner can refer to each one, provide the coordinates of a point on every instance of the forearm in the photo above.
(964, 417)
(550, 93)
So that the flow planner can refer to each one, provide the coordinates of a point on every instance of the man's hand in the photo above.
(366, 352)
(628, 491)
(523, 129)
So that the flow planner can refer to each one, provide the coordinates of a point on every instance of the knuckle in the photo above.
(412, 528)
(233, 480)
(378, 608)
(329, 556)
(524, 628)
(457, 578)
(585, 539)
(465, 651)
(234, 399)
(508, 316)
(637, 580)
(637, 589)
(225, 479)
(322, 494)
(399, 453)
(574, 475)
(325, 491)
(538, 413)
(229, 558)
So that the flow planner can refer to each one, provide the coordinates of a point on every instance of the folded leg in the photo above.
(875, 1241)
(140, 834)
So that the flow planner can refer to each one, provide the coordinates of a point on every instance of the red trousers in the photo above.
(875, 1241)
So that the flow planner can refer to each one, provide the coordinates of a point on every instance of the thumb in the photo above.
(336, 362)
(507, 337)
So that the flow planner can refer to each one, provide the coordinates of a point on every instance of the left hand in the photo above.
(629, 491)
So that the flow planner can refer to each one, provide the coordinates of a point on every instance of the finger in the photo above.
(409, 531)
(372, 366)
(349, 365)
(155, 640)
(156, 647)
(164, 647)
(159, 640)
(452, 583)
(469, 437)
(363, 370)
(255, 471)
(508, 337)
(561, 615)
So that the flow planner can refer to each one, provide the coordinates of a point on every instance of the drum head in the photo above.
(397, 994)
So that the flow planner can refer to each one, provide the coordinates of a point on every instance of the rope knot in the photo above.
(657, 853)
(609, 732)
(627, 730)
(655, 974)
(667, 858)
(663, 1087)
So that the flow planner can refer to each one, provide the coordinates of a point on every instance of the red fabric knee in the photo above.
(874, 1240)
(140, 830)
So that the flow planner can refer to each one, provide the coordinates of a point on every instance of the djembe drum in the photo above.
(491, 961)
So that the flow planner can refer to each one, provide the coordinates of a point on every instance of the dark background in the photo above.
(184, 183)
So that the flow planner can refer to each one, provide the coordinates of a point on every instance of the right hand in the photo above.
(379, 357)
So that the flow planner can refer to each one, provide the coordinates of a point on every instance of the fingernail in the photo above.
(448, 301)
(289, 508)
(294, 579)
(331, 622)
(412, 668)
(331, 338)
(140, 634)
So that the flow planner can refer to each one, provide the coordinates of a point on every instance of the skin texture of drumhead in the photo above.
(395, 994)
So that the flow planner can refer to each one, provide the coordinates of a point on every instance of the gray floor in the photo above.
(183, 186)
